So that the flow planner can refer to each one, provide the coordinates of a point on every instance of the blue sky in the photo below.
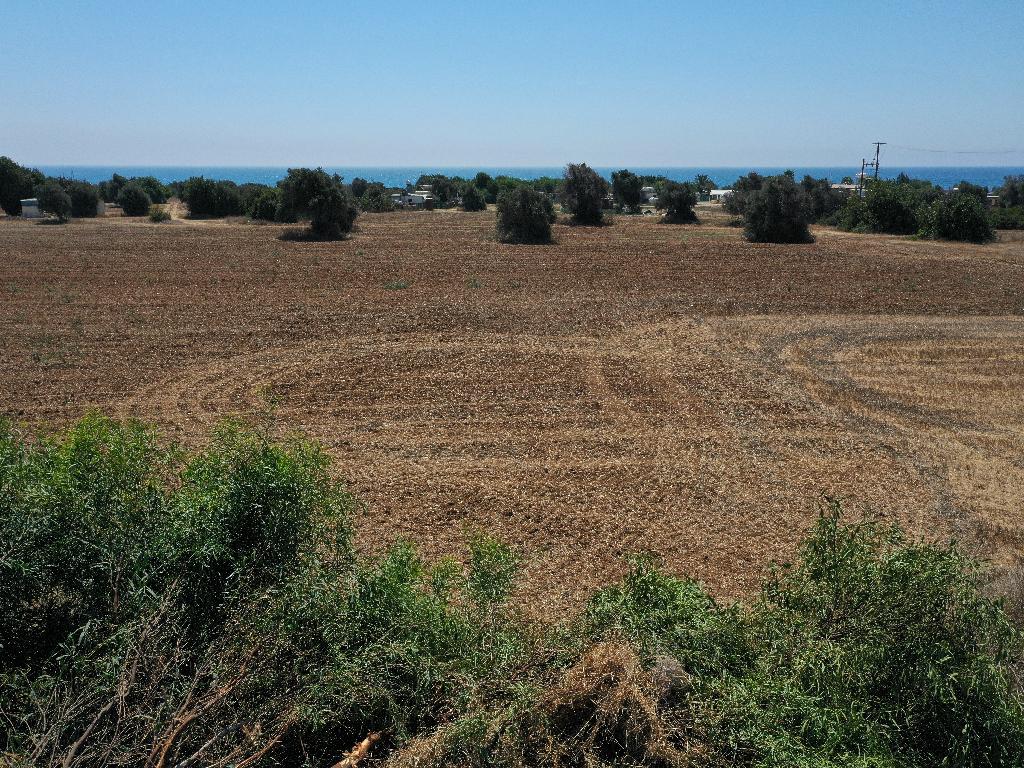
(730, 83)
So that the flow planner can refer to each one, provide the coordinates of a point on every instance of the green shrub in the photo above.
(376, 199)
(677, 201)
(359, 187)
(209, 608)
(626, 189)
(17, 183)
(1011, 194)
(53, 199)
(821, 201)
(583, 194)
(957, 216)
(85, 197)
(133, 200)
(967, 188)
(157, 214)
(524, 216)
(206, 197)
(1007, 218)
(776, 213)
(736, 202)
(473, 198)
(323, 198)
(260, 202)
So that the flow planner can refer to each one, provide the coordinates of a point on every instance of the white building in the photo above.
(421, 198)
(30, 208)
(719, 195)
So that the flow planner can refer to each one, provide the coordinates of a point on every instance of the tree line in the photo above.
(773, 209)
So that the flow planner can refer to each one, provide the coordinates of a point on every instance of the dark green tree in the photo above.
(736, 202)
(321, 197)
(957, 216)
(524, 216)
(704, 184)
(473, 198)
(626, 190)
(85, 197)
(17, 183)
(1011, 194)
(776, 213)
(376, 199)
(677, 201)
(823, 202)
(53, 199)
(967, 188)
(583, 194)
(359, 187)
(133, 200)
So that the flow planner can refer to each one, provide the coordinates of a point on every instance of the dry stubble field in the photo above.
(638, 387)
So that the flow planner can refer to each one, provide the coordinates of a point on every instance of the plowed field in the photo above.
(633, 387)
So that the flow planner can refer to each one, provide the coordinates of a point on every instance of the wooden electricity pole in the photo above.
(878, 147)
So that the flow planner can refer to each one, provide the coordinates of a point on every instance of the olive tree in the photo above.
(583, 193)
(626, 189)
(524, 216)
(776, 213)
(677, 201)
(321, 197)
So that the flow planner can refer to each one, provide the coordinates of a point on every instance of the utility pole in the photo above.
(878, 147)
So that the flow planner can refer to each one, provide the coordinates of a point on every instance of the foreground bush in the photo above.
(583, 194)
(957, 216)
(320, 197)
(677, 201)
(776, 212)
(209, 609)
(524, 216)
(158, 215)
(133, 200)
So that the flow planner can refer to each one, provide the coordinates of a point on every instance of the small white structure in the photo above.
(421, 198)
(30, 209)
(719, 195)
(847, 189)
(647, 194)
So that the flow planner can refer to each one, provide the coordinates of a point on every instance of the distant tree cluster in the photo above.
(16, 184)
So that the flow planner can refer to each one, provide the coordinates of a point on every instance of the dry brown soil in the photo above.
(633, 387)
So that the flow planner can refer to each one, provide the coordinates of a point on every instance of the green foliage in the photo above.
(473, 198)
(321, 197)
(208, 198)
(822, 203)
(1011, 194)
(158, 215)
(957, 216)
(583, 194)
(626, 188)
(888, 206)
(359, 187)
(53, 199)
(677, 201)
(376, 199)
(736, 202)
(109, 190)
(1008, 218)
(704, 185)
(17, 183)
(85, 197)
(524, 216)
(210, 606)
(133, 200)
(260, 202)
(776, 213)
(966, 188)
(446, 189)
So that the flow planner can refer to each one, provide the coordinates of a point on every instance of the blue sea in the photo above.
(944, 176)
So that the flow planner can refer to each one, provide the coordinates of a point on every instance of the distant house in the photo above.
(719, 195)
(847, 189)
(421, 198)
(30, 208)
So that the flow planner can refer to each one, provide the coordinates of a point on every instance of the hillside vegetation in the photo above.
(165, 608)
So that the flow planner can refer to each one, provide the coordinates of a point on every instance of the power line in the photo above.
(958, 151)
